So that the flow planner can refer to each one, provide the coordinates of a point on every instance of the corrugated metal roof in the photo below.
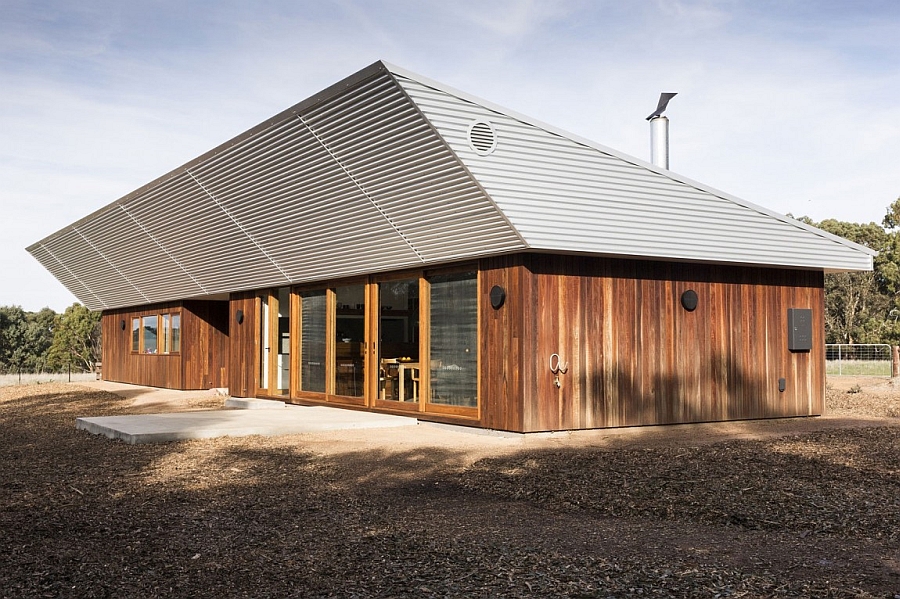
(562, 193)
(354, 183)
(376, 174)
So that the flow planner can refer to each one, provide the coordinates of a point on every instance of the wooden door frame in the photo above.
(373, 331)
(273, 341)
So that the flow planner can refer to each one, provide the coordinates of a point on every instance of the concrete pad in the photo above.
(161, 428)
(251, 403)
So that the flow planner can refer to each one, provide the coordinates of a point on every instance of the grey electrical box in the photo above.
(799, 329)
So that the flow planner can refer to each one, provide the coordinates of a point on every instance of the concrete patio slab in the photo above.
(178, 426)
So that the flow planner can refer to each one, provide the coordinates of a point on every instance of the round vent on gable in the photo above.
(482, 137)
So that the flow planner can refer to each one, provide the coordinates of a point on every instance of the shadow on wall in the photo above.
(719, 390)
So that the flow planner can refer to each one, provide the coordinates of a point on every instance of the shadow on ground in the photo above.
(811, 515)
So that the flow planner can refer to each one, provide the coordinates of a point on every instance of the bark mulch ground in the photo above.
(802, 511)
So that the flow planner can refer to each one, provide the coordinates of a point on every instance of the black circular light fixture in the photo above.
(239, 316)
(122, 324)
(689, 300)
(498, 297)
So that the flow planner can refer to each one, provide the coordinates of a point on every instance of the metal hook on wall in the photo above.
(557, 366)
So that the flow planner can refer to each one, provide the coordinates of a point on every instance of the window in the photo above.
(167, 337)
(454, 339)
(150, 334)
(156, 334)
(171, 333)
(175, 333)
(135, 335)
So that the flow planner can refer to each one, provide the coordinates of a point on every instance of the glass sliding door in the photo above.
(311, 356)
(453, 335)
(350, 341)
(398, 340)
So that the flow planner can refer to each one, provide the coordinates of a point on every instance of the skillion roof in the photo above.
(388, 170)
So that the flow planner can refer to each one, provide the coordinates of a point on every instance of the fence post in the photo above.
(840, 371)
(895, 361)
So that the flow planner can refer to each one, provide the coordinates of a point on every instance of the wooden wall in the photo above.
(504, 370)
(242, 368)
(635, 356)
(123, 366)
(204, 342)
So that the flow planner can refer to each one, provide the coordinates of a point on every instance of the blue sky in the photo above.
(793, 105)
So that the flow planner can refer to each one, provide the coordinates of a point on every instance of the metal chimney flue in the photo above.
(659, 132)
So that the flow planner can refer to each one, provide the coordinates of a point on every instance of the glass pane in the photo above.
(264, 342)
(398, 340)
(151, 334)
(284, 339)
(454, 335)
(312, 341)
(135, 334)
(176, 333)
(166, 334)
(350, 325)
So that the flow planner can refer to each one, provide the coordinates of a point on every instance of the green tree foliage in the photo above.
(856, 308)
(76, 340)
(13, 324)
(45, 341)
(864, 307)
(25, 339)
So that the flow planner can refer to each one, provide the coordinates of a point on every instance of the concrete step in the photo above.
(251, 403)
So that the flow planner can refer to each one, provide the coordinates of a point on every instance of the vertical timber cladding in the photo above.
(636, 356)
(204, 344)
(121, 365)
(504, 367)
(200, 363)
(242, 363)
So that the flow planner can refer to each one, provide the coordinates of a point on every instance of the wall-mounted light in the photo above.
(498, 297)
(122, 324)
(689, 300)
(239, 316)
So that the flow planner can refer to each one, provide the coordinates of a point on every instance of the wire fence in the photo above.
(858, 359)
(32, 378)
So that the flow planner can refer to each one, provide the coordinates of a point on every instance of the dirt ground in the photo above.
(781, 508)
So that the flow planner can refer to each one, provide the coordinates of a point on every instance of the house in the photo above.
(395, 245)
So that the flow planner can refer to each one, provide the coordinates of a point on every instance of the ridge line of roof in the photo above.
(622, 156)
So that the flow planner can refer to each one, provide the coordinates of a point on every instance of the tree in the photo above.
(13, 324)
(76, 339)
(857, 308)
(39, 328)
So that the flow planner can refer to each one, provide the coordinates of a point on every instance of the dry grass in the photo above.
(796, 514)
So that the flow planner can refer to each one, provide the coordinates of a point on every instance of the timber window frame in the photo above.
(161, 339)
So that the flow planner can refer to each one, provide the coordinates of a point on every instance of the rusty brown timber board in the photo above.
(637, 357)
